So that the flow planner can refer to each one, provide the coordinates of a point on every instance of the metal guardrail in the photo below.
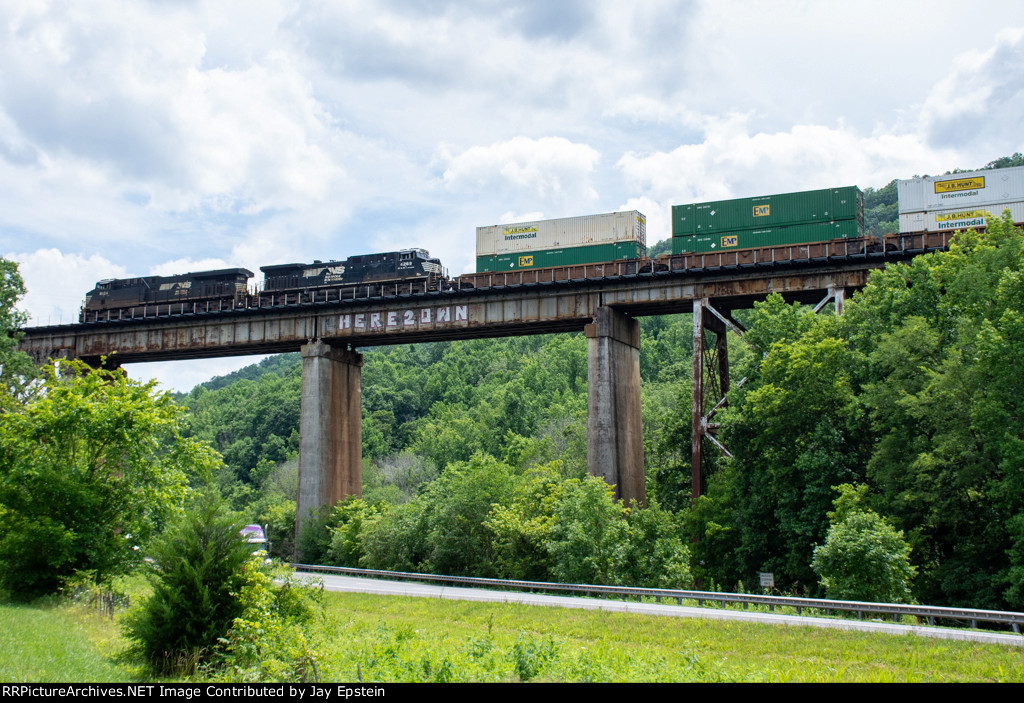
(929, 613)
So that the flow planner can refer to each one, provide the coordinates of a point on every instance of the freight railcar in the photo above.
(154, 295)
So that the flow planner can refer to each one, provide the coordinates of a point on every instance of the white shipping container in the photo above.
(958, 218)
(961, 190)
(609, 228)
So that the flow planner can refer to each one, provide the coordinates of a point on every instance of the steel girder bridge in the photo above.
(601, 300)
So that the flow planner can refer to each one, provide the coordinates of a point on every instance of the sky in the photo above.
(142, 137)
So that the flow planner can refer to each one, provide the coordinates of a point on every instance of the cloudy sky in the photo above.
(157, 137)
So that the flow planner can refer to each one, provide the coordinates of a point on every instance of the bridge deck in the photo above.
(478, 305)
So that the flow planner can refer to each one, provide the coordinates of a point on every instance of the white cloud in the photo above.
(981, 102)
(551, 170)
(510, 217)
(127, 87)
(183, 376)
(57, 282)
(734, 161)
(141, 137)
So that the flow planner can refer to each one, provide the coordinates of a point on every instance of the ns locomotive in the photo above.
(408, 265)
(140, 294)
(405, 271)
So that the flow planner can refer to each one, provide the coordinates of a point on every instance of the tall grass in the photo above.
(381, 638)
(416, 639)
(55, 644)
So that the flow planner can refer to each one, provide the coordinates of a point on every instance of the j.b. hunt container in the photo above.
(767, 237)
(958, 218)
(768, 211)
(961, 190)
(561, 242)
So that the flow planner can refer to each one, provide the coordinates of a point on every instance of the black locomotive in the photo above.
(367, 275)
(392, 267)
(148, 295)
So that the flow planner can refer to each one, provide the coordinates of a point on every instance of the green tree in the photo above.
(15, 366)
(796, 430)
(944, 339)
(459, 502)
(196, 573)
(587, 527)
(1007, 161)
(396, 541)
(863, 558)
(90, 462)
(348, 517)
(652, 553)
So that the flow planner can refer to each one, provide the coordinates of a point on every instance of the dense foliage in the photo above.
(90, 463)
(914, 392)
(217, 604)
(15, 366)
(270, 640)
(484, 518)
(520, 402)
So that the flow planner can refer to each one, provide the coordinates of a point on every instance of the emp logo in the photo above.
(526, 261)
(762, 210)
(730, 241)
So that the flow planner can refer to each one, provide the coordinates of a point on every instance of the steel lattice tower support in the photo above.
(711, 378)
(710, 384)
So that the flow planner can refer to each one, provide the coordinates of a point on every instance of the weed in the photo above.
(530, 655)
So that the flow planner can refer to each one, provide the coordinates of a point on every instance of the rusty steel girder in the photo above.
(710, 386)
(478, 312)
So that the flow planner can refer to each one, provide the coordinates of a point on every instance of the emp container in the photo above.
(769, 211)
(767, 237)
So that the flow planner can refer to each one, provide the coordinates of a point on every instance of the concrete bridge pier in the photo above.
(330, 428)
(615, 441)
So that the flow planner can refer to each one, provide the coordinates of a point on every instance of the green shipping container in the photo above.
(561, 256)
(768, 237)
(765, 211)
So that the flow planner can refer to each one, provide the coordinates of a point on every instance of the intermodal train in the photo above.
(408, 271)
(765, 230)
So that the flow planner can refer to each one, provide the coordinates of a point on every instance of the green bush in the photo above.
(346, 535)
(196, 572)
(530, 655)
(864, 557)
(267, 641)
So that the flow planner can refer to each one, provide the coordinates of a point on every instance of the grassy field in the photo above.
(40, 644)
(415, 639)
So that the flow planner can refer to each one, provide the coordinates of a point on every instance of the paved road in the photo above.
(420, 590)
